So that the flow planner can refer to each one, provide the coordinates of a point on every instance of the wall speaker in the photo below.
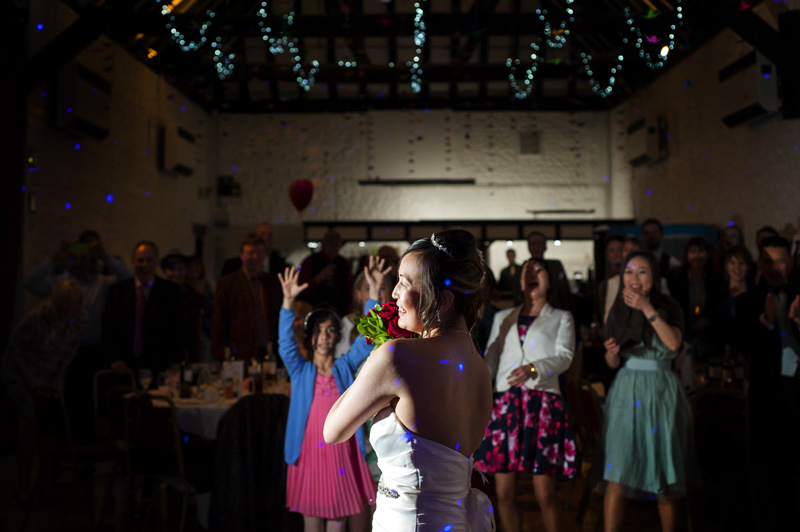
(647, 141)
(82, 101)
(176, 150)
(748, 89)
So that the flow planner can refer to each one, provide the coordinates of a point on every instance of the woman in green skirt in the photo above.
(649, 443)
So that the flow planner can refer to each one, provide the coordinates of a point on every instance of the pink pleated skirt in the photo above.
(328, 481)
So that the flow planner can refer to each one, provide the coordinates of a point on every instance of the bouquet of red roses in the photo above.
(380, 325)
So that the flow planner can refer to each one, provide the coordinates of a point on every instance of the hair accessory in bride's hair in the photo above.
(440, 247)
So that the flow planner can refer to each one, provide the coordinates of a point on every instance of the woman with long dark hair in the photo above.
(649, 442)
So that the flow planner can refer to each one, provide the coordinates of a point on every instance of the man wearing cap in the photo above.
(175, 266)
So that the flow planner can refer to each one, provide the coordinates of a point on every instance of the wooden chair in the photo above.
(54, 432)
(108, 390)
(153, 451)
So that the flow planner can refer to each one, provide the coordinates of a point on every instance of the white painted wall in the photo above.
(714, 174)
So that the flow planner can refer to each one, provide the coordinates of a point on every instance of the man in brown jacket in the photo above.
(246, 306)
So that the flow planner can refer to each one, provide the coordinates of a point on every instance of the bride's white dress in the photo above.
(424, 485)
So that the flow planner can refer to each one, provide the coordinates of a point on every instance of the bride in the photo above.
(431, 397)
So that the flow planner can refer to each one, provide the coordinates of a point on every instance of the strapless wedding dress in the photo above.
(424, 485)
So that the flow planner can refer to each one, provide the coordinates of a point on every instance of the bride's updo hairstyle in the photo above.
(450, 261)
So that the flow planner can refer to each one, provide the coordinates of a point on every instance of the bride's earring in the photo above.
(438, 317)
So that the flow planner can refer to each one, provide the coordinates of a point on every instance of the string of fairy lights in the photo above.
(419, 42)
(555, 34)
(557, 38)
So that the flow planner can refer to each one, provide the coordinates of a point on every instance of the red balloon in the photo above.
(300, 192)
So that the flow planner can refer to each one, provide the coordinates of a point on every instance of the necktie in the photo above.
(138, 325)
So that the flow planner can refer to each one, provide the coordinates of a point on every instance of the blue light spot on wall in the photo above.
(461, 367)
(448, 528)
(109, 198)
(444, 361)
(69, 110)
(654, 430)
(341, 471)
(183, 108)
(638, 403)
(320, 444)
(766, 76)
(23, 189)
(68, 206)
(146, 193)
(447, 282)
(649, 192)
(77, 146)
(730, 223)
(608, 467)
(186, 439)
(457, 445)
(40, 27)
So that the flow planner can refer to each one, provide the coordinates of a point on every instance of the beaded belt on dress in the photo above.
(383, 490)
(645, 364)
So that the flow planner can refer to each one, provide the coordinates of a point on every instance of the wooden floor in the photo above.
(69, 509)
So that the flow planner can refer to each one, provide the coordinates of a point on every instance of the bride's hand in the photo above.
(374, 273)
(290, 287)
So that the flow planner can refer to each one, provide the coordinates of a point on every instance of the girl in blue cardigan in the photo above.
(324, 482)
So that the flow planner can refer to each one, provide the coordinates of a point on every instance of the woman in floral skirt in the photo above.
(530, 430)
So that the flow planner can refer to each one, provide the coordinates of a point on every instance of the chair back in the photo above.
(250, 472)
(152, 438)
(109, 391)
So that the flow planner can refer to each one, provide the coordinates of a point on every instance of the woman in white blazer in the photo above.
(530, 431)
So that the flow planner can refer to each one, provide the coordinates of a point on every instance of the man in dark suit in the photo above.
(562, 294)
(652, 235)
(246, 306)
(273, 262)
(508, 285)
(775, 387)
(328, 275)
(142, 318)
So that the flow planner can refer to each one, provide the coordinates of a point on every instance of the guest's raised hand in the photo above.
(290, 287)
(374, 273)
(794, 310)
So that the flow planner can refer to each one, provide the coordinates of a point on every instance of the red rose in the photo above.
(389, 313)
(395, 331)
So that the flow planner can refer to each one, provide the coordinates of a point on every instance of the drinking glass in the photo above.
(145, 378)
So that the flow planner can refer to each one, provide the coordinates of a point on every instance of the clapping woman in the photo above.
(648, 431)
(530, 431)
(325, 482)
